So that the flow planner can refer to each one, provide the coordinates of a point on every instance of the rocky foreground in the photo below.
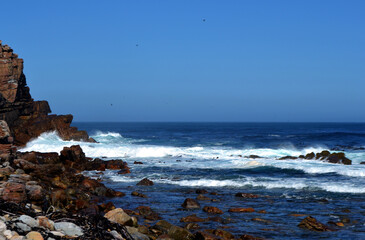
(46, 196)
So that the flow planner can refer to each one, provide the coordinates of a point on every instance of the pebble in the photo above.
(34, 236)
(31, 222)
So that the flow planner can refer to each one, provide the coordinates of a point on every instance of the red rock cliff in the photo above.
(25, 117)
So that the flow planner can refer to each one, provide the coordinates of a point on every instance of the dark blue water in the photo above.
(181, 157)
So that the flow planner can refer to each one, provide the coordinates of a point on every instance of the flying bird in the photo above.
(203, 19)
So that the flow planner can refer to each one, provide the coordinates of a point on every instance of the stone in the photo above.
(312, 224)
(136, 234)
(137, 194)
(148, 213)
(241, 210)
(34, 236)
(213, 210)
(45, 222)
(145, 182)
(69, 229)
(119, 216)
(190, 203)
(246, 195)
(192, 218)
(13, 192)
(176, 232)
(2, 226)
(201, 197)
(24, 227)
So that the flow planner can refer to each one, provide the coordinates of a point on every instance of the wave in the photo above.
(260, 182)
(114, 145)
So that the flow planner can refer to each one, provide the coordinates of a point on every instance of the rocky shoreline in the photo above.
(47, 196)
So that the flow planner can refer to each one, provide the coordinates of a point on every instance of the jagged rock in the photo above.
(145, 182)
(312, 224)
(27, 118)
(119, 216)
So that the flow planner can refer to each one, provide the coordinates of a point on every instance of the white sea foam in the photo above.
(114, 145)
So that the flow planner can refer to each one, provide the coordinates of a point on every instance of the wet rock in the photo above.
(362, 163)
(213, 210)
(137, 194)
(338, 157)
(288, 158)
(192, 218)
(136, 234)
(312, 224)
(241, 210)
(246, 195)
(69, 229)
(221, 233)
(119, 216)
(261, 220)
(190, 203)
(253, 156)
(203, 235)
(148, 213)
(201, 197)
(192, 226)
(201, 191)
(176, 232)
(145, 182)
(309, 156)
(137, 162)
(249, 237)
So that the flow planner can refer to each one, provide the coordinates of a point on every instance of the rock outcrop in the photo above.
(25, 117)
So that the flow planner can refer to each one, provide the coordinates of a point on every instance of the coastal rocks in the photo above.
(172, 231)
(5, 134)
(119, 216)
(192, 218)
(13, 192)
(212, 210)
(147, 213)
(190, 203)
(137, 194)
(338, 158)
(312, 224)
(145, 182)
(25, 117)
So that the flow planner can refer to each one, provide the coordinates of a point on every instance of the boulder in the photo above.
(119, 216)
(190, 203)
(145, 182)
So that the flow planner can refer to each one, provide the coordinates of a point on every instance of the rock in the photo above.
(249, 237)
(261, 220)
(145, 182)
(136, 235)
(2, 226)
(163, 226)
(201, 191)
(202, 235)
(192, 218)
(25, 117)
(137, 162)
(137, 194)
(253, 156)
(309, 156)
(201, 197)
(176, 232)
(190, 203)
(69, 229)
(13, 192)
(5, 134)
(288, 158)
(119, 216)
(45, 222)
(312, 224)
(24, 227)
(213, 210)
(148, 213)
(192, 226)
(246, 195)
(241, 210)
(29, 221)
(221, 233)
(34, 236)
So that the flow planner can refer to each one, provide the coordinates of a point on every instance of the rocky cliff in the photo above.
(20, 114)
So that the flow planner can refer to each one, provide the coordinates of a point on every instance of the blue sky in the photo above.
(248, 61)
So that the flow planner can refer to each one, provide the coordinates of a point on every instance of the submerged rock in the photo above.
(213, 210)
(312, 224)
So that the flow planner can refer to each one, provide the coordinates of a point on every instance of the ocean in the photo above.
(182, 157)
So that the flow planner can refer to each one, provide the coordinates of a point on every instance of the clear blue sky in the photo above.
(248, 61)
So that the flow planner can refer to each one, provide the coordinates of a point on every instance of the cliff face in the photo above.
(26, 118)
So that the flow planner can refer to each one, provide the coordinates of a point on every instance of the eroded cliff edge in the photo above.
(25, 117)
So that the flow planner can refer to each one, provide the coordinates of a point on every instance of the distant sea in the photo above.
(182, 157)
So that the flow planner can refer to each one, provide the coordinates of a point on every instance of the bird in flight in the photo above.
(203, 19)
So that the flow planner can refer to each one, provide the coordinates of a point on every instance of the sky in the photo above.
(190, 60)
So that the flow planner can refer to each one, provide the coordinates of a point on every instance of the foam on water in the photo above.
(114, 145)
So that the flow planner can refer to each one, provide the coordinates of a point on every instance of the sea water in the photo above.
(182, 157)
